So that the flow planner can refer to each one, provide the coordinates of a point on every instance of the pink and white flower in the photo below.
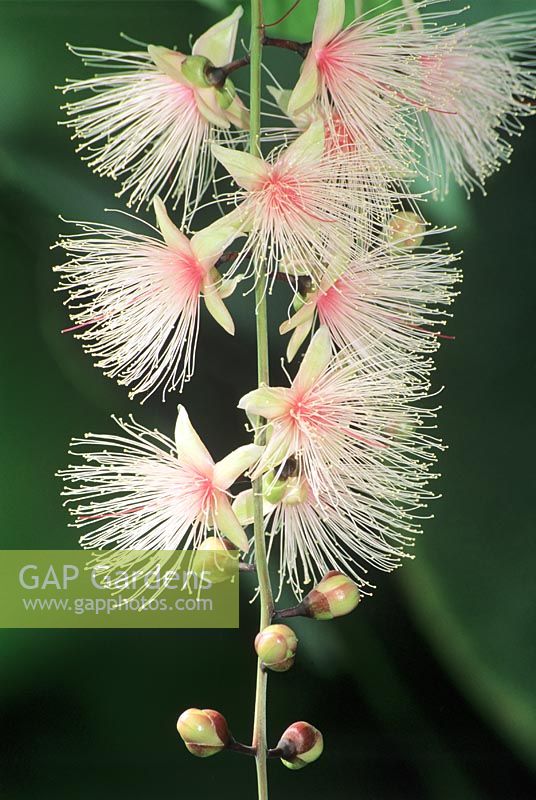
(342, 420)
(148, 122)
(134, 299)
(484, 81)
(140, 490)
(303, 199)
(367, 77)
(385, 305)
(313, 534)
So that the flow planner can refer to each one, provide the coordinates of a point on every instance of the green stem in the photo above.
(263, 376)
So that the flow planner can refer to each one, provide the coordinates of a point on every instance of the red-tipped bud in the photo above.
(300, 745)
(276, 647)
(203, 731)
(335, 596)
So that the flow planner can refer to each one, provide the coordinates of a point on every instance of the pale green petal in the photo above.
(308, 147)
(243, 507)
(238, 114)
(234, 464)
(248, 171)
(173, 237)
(301, 317)
(281, 97)
(209, 243)
(215, 305)
(279, 449)
(218, 43)
(168, 62)
(228, 286)
(208, 106)
(267, 402)
(298, 337)
(315, 360)
(227, 522)
(190, 448)
(329, 21)
(306, 88)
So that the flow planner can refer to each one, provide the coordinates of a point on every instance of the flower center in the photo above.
(281, 191)
(188, 272)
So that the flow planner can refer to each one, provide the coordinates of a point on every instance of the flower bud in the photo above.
(406, 230)
(300, 745)
(203, 731)
(276, 647)
(215, 560)
(335, 596)
(194, 70)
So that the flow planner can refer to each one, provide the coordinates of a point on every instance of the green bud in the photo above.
(226, 94)
(272, 489)
(300, 745)
(194, 70)
(276, 647)
(335, 596)
(203, 731)
(215, 560)
(406, 230)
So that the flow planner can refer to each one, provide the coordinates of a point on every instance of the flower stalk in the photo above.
(263, 377)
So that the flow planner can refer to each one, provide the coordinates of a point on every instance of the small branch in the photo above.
(287, 752)
(296, 611)
(302, 48)
(217, 76)
(238, 747)
(285, 15)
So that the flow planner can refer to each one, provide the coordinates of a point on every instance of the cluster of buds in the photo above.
(205, 732)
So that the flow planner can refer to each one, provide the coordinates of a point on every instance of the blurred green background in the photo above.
(429, 691)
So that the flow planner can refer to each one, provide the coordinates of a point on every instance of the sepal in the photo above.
(247, 170)
(218, 42)
(190, 448)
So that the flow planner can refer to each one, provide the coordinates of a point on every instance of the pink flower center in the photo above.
(327, 60)
(330, 303)
(281, 191)
(307, 413)
(201, 492)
